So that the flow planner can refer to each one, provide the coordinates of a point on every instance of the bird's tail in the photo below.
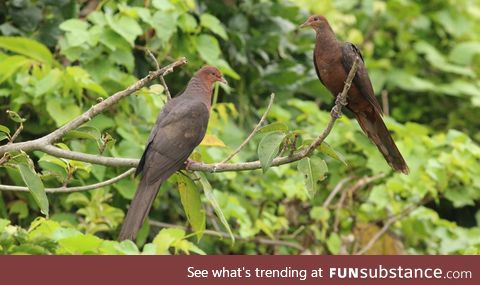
(139, 208)
(372, 124)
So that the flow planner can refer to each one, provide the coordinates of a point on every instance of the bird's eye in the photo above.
(316, 19)
(213, 73)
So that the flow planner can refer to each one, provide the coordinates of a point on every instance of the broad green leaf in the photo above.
(192, 204)
(328, 150)
(3, 224)
(80, 244)
(49, 82)
(207, 188)
(273, 127)
(164, 25)
(35, 185)
(463, 53)
(163, 5)
(187, 23)
(211, 140)
(10, 65)
(19, 208)
(334, 243)
(320, 213)
(62, 114)
(126, 27)
(84, 132)
(313, 170)
(14, 116)
(165, 238)
(213, 24)
(208, 48)
(268, 148)
(28, 48)
(4, 129)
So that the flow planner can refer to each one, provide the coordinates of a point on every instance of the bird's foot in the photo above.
(340, 100)
(336, 112)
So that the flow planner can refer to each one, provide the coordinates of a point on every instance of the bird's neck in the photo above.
(200, 90)
(326, 38)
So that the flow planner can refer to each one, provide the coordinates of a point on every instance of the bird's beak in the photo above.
(304, 25)
(223, 80)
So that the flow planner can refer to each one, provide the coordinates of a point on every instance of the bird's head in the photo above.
(210, 75)
(315, 21)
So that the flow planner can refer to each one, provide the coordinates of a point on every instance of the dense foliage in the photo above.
(58, 58)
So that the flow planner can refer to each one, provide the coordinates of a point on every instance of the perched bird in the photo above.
(180, 127)
(333, 60)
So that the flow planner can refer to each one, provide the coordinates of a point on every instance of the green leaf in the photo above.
(328, 150)
(28, 48)
(463, 53)
(62, 114)
(273, 127)
(49, 82)
(164, 25)
(213, 24)
(4, 129)
(79, 244)
(320, 213)
(10, 65)
(192, 204)
(126, 27)
(187, 23)
(14, 116)
(313, 170)
(208, 48)
(20, 208)
(334, 243)
(165, 239)
(84, 132)
(35, 185)
(207, 189)
(268, 148)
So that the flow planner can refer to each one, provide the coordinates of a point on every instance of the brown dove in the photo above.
(333, 60)
(180, 127)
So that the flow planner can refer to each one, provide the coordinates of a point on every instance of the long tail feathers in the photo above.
(139, 208)
(373, 125)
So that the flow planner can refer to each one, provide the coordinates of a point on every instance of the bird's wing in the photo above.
(177, 135)
(165, 111)
(361, 80)
(316, 68)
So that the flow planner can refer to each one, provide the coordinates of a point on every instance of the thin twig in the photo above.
(335, 191)
(65, 189)
(149, 52)
(162, 79)
(386, 226)
(385, 105)
(362, 182)
(17, 132)
(254, 131)
(237, 237)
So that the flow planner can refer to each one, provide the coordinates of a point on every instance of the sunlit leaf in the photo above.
(192, 204)
(35, 185)
(313, 170)
(268, 148)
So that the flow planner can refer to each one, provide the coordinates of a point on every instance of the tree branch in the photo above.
(45, 143)
(254, 131)
(237, 237)
(88, 115)
(65, 189)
